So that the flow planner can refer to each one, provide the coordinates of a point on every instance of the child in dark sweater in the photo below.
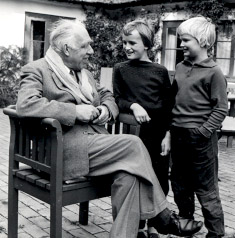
(200, 107)
(143, 88)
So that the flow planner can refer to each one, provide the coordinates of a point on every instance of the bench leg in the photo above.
(230, 141)
(83, 213)
(13, 195)
(56, 220)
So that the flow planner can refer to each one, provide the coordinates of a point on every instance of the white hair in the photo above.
(64, 31)
(200, 28)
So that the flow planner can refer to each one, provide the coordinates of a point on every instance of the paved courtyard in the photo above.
(34, 214)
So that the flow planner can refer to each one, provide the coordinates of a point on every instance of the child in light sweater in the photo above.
(200, 107)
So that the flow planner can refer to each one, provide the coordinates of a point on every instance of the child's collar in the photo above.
(207, 63)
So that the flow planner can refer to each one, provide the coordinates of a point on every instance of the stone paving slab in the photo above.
(34, 215)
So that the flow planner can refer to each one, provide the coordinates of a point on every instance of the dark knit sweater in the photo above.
(145, 83)
(201, 100)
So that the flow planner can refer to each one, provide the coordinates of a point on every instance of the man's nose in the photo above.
(90, 50)
(181, 44)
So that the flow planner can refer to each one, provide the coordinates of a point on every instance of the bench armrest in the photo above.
(127, 119)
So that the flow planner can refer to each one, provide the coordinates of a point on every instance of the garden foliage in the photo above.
(11, 61)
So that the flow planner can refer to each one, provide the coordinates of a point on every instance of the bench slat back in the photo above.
(31, 145)
(32, 141)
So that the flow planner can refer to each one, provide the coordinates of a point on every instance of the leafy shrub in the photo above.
(11, 61)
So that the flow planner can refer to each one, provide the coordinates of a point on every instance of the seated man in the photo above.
(59, 87)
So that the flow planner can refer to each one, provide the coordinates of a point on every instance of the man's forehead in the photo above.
(82, 36)
(84, 41)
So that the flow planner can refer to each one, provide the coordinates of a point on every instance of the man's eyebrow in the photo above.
(87, 43)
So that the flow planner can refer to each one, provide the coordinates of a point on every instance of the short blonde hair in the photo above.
(200, 28)
(144, 29)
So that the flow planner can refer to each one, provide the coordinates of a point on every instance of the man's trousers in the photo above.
(135, 193)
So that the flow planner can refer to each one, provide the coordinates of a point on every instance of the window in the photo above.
(37, 34)
(38, 39)
(224, 50)
(172, 54)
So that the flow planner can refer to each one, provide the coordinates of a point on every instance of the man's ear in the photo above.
(66, 49)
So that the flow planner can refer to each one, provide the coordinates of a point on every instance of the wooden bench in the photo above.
(228, 129)
(36, 168)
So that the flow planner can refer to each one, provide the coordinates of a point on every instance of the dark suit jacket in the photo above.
(42, 95)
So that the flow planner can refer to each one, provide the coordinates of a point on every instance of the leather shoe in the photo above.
(142, 234)
(153, 235)
(180, 226)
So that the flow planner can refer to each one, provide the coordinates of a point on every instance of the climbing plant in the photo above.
(213, 9)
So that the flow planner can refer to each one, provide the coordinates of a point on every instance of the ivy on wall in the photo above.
(213, 9)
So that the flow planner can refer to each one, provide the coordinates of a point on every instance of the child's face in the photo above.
(191, 47)
(133, 46)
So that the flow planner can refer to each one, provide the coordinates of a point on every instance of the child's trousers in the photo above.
(195, 170)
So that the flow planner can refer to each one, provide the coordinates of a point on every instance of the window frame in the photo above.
(166, 25)
(231, 73)
(49, 20)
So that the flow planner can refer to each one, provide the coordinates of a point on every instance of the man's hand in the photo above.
(166, 144)
(86, 113)
(103, 117)
(140, 113)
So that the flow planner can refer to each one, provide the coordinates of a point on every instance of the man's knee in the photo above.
(133, 138)
(134, 141)
(121, 177)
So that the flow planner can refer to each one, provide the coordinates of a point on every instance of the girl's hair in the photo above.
(144, 29)
(62, 32)
(200, 28)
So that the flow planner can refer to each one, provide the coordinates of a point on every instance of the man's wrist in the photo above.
(108, 111)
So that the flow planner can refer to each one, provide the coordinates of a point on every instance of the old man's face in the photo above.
(81, 50)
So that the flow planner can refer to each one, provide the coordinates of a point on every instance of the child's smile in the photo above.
(191, 47)
(133, 46)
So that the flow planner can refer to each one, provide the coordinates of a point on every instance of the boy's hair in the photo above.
(200, 28)
(144, 29)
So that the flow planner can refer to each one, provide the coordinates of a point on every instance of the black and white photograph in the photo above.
(117, 118)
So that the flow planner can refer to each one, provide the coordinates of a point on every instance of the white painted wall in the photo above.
(12, 17)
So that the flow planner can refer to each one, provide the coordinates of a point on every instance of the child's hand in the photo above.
(140, 113)
(166, 144)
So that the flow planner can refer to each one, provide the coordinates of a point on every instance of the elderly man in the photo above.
(59, 86)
